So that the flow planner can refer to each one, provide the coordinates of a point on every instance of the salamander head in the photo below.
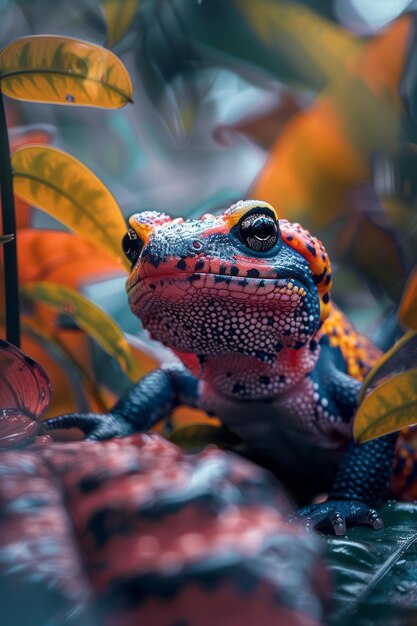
(243, 281)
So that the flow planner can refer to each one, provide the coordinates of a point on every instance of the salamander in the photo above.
(243, 299)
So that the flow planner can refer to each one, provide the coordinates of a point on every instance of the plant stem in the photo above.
(11, 287)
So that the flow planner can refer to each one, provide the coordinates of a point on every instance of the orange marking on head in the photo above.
(235, 213)
(142, 230)
(144, 223)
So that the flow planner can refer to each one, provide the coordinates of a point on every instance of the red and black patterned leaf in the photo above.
(24, 384)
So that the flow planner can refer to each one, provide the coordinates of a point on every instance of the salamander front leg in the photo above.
(145, 404)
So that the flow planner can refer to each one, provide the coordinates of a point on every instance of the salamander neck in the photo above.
(243, 377)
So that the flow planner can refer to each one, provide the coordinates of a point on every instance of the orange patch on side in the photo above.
(357, 350)
(315, 253)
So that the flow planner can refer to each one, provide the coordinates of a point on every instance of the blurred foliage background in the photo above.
(311, 106)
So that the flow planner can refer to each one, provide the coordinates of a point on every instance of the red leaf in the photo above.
(24, 384)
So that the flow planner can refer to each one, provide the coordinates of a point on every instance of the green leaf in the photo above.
(375, 574)
(402, 356)
(388, 408)
(119, 15)
(63, 70)
(90, 318)
(66, 189)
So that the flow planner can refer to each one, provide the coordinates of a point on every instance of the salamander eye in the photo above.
(259, 231)
(132, 246)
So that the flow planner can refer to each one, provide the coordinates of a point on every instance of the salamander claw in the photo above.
(338, 523)
(95, 426)
(373, 519)
(336, 515)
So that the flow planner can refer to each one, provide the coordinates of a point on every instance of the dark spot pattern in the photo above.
(239, 389)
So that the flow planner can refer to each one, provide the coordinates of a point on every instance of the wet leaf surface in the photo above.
(375, 572)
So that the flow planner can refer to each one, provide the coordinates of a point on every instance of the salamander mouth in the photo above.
(147, 294)
(151, 281)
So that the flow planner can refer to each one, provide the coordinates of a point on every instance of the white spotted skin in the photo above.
(208, 317)
(260, 401)
(281, 432)
(241, 377)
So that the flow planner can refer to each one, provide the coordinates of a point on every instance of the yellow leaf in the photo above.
(90, 318)
(51, 342)
(119, 15)
(402, 356)
(388, 408)
(66, 189)
(407, 313)
(63, 70)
